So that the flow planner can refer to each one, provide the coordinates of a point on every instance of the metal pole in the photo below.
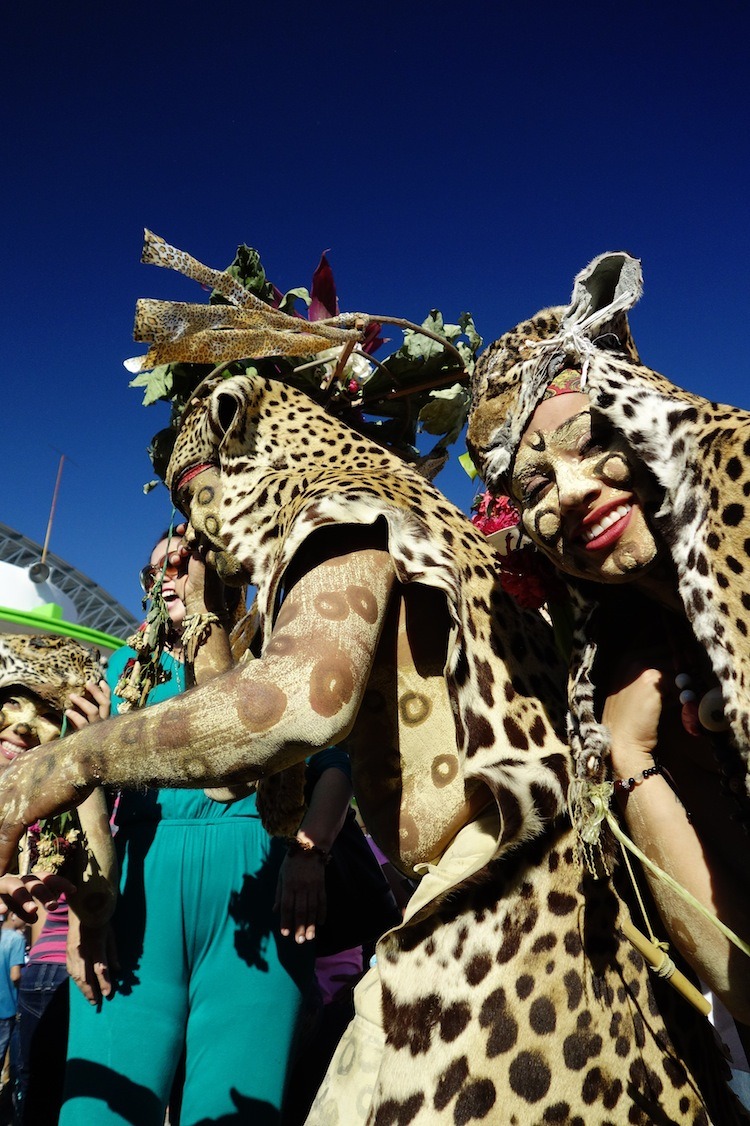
(52, 507)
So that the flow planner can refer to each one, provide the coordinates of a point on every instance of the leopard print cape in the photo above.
(509, 994)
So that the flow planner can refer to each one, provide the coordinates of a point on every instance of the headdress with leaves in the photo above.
(249, 326)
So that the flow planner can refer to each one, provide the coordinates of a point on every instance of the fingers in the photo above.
(93, 964)
(300, 898)
(21, 894)
(103, 983)
(91, 706)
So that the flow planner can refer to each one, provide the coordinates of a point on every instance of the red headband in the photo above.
(188, 475)
(566, 382)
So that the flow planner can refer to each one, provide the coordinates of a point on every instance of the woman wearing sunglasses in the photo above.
(203, 972)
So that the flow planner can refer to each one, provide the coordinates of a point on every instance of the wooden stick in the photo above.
(656, 957)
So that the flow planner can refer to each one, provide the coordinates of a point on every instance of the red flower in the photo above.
(524, 573)
(492, 514)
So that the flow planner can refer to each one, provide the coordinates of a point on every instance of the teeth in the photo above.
(10, 748)
(607, 521)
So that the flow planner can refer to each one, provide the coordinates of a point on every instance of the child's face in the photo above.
(26, 721)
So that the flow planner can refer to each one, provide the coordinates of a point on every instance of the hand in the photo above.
(92, 959)
(89, 707)
(203, 590)
(20, 894)
(301, 895)
(37, 785)
(632, 712)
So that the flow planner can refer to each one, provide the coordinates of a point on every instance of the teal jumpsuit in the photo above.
(203, 967)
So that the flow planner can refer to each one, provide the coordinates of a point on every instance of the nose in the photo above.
(24, 730)
(576, 488)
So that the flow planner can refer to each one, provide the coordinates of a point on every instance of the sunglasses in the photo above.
(163, 569)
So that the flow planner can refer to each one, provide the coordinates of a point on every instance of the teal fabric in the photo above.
(202, 966)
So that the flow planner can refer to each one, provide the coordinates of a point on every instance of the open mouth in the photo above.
(10, 750)
(607, 529)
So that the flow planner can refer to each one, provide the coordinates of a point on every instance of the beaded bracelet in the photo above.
(625, 785)
(295, 845)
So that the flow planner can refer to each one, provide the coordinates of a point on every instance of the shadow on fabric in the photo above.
(137, 1105)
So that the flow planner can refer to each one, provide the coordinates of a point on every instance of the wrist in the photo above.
(626, 784)
(630, 760)
(301, 845)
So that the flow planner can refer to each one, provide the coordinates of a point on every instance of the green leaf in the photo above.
(446, 412)
(468, 328)
(248, 270)
(466, 463)
(158, 384)
(286, 305)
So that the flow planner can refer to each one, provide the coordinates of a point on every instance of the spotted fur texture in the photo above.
(697, 451)
(52, 667)
(180, 331)
(510, 996)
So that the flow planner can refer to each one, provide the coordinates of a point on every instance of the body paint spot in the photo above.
(363, 602)
(331, 685)
(414, 708)
(332, 605)
(260, 706)
(444, 769)
(281, 645)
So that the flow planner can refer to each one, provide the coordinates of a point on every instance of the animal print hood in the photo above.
(254, 430)
(696, 450)
(287, 470)
(51, 667)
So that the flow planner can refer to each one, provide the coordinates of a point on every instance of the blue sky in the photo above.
(467, 156)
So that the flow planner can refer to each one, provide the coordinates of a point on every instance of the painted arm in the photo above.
(704, 854)
(303, 694)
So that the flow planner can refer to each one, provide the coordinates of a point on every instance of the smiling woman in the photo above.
(582, 500)
(25, 722)
(45, 683)
(637, 487)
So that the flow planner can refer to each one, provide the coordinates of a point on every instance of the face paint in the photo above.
(581, 501)
(200, 498)
(26, 721)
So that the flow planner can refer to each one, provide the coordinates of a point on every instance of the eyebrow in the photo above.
(560, 431)
(538, 443)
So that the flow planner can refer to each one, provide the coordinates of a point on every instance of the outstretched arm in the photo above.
(303, 694)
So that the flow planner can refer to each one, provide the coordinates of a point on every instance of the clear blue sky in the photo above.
(462, 156)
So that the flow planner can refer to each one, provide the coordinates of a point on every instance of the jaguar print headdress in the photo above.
(50, 667)
(697, 451)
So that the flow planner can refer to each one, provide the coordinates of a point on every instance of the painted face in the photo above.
(200, 499)
(580, 497)
(26, 721)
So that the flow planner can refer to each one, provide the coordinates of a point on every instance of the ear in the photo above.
(234, 405)
(225, 408)
(602, 293)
